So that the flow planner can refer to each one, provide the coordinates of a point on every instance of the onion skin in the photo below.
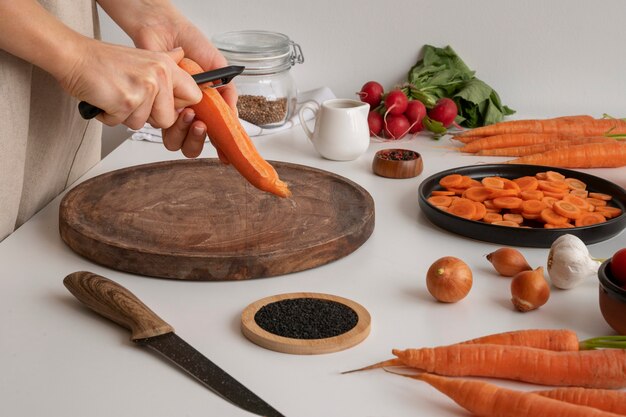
(449, 279)
(508, 262)
(529, 290)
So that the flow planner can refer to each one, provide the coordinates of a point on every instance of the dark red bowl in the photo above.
(612, 299)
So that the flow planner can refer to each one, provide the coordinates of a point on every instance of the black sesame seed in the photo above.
(306, 318)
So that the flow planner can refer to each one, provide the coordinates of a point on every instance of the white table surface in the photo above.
(57, 358)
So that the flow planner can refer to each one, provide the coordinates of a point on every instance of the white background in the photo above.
(543, 57)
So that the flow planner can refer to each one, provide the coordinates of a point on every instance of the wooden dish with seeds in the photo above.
(397, 163)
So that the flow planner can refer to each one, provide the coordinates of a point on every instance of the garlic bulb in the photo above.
(569, 262)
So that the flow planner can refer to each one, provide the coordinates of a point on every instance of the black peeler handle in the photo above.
(223, 75)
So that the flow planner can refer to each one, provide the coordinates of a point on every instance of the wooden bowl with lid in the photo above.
(397, 163)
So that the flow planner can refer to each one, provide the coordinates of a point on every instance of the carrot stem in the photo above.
(603, 342)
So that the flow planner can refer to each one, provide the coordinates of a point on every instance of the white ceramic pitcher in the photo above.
(341, 132)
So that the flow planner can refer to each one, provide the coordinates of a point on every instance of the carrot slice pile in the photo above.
(547, 199)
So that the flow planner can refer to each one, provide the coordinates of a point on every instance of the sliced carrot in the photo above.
(492, 217)
(552, 186)
(541, 176)
(608, 211)
(557, 226)
(531, 216)
(549, 216)
(481, 210)
(533, 206)
(511, 185)
(575, 184)
(514, 217)
(601, 196)
(531, 195)
(508, 202)
(466, 181)
(596, 201)
(527, 183)
(442, 192)
(554, 176)
(549, 201)
(508, 223)
(566, 209)
(451, 181)
(581, 203)
(588, 219)
(504, 192)
(478, 193)
(558, 196)
(490, 206)
(440, 200)
(579, 193)
(493, 182)
(463, 207)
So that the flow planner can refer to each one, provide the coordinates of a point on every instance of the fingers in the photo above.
(186, 135)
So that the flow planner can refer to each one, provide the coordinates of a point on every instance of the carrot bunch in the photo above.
(566, 142)
(548, 199)
(540, 356)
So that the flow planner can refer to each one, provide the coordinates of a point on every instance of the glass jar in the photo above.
(267, 91)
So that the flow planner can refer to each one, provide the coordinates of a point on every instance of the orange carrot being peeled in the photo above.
(230, 139)
(488, 400)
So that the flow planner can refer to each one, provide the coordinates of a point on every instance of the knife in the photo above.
(116, 303)
(223, 75)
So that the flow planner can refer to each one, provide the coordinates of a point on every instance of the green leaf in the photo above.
(434, 126)
(442, 73)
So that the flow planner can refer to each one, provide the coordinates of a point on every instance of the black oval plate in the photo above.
(532, 237)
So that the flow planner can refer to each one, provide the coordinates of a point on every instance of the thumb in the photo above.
(176, 54)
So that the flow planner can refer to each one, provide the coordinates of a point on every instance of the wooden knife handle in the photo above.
(111, 300)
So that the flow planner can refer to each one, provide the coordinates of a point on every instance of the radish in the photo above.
(375, 123)
(415, 112)
(444, 112)
(396, 102)
(396, 126)
(371, 93)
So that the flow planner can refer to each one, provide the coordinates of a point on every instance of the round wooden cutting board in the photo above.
(200, 220)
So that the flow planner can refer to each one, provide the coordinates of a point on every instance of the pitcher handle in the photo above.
(314, 107)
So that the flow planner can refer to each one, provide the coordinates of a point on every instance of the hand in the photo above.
(186, 134)
(131, 85)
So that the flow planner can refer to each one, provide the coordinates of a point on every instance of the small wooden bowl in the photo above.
(272, 341)
(612, 299)
(397, 163)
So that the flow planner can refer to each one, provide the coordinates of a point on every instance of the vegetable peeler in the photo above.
(221, 75)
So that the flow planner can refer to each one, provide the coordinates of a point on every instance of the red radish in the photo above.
(415, 112)
(396, 102)
(375, 123)
(445, 112)
(371, 93)
(396, 126)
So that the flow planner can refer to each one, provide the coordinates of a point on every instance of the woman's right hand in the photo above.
(132, 86)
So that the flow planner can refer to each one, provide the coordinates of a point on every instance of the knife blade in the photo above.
(113, 301)
(223, 75)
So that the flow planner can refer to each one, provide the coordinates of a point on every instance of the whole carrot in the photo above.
(573, 125)
(489, 400)
(510, 140)
(602, 399)
(551, 339)
(590, 155)
(541, 147)
(231, 141)
(591, 369)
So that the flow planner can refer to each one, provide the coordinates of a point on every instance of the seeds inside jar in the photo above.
(260, 110)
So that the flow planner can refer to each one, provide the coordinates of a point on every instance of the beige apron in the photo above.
(44, 143)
